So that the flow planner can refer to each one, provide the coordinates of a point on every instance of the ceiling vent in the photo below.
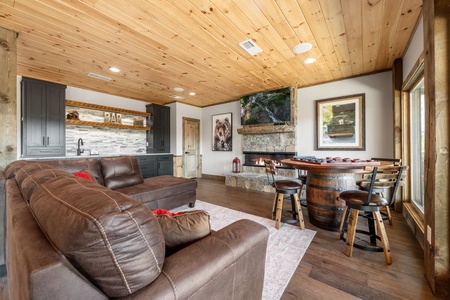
(250, 47)
(96, 76)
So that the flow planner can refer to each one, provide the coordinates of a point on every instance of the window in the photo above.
(417, 104)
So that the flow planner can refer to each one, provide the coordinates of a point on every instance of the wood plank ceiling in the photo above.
(159, 45)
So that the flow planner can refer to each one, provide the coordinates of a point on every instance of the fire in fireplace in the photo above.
(256, 159)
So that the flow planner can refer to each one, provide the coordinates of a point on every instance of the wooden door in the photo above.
(191, 148)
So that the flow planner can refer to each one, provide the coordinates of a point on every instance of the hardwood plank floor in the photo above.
(325, 272)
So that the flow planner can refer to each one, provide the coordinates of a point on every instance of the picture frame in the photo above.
(340, 123)
(222, 133)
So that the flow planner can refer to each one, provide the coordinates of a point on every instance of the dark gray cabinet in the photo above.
(158, 137)
(155, 165)
(43, 118)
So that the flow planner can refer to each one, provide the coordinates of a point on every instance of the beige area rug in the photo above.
(285, 249)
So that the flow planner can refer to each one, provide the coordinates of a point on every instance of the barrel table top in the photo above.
(340, 167)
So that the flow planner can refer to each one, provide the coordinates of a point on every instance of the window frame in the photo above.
(415, 76)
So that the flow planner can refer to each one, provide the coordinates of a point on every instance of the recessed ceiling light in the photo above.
(176, 97)
(310, 60)
(301, 48)
(192, 93)
(114, 69)
(178, 89)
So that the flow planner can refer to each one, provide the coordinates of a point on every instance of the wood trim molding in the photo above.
(261, 129)
(102, 124)
(107, 108)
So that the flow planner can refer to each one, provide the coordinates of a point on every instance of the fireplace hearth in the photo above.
(256, 159)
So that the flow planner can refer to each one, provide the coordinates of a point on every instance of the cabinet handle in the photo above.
(48, 140)
(43, 141)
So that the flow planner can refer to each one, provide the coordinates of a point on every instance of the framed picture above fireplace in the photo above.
(222, 132)
(340, 123)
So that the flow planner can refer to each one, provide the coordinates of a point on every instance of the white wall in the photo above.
(81, 95)
(378, 116)
(414, 50)
(177, 112)
(220, 162)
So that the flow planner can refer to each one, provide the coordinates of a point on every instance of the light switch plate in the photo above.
(429, 234)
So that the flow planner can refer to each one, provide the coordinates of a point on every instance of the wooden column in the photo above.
(436, 15)
(397, 81)
(8, 103)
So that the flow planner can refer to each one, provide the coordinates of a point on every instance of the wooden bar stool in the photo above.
(284, 187)
(380, 187)
(369, 203)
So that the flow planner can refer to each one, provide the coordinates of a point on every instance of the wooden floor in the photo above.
(325, 272)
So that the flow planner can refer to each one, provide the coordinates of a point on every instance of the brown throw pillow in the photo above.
(112, 239)
(184, 229)
(88, 172)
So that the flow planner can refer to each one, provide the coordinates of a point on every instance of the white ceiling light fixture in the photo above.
(302, 48)
(178, 89)
(176, 97)
(114, 69)
(250, 47)
(101, 77)
(192, 94)
(310, 60)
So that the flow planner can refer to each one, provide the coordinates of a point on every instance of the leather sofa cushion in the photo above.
(35, 180)
(120, 172)
(29, 169)
(159, 187)
(112, 239)
(78, 165)
(183, 229)
(12, 168)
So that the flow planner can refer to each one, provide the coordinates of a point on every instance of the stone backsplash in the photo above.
(104, 140)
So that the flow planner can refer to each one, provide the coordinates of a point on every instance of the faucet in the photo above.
(79, 144)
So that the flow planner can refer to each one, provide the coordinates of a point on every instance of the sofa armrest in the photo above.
(228, 264)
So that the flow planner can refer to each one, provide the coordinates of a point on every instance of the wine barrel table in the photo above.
(324, 183)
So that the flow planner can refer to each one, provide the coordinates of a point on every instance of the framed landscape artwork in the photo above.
(340, 123)
(222, 132)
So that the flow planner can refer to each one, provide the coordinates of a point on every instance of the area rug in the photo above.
(285, 249)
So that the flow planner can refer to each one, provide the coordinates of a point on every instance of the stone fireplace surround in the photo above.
(266, 139)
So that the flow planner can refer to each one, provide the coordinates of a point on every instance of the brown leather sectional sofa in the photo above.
(71, 238)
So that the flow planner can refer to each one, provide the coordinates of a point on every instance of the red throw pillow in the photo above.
(160, 211)
(83, 175)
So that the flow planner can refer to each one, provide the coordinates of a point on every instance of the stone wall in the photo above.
(105, 140)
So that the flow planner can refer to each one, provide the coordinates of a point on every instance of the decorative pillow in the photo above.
(90, 174)
(29, 169)
(121, 172)
(112, 239)
(11, 169)
(183, 229)
(35, 180)
(86, 174)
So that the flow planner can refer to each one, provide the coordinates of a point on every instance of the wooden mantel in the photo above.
(265, 129)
